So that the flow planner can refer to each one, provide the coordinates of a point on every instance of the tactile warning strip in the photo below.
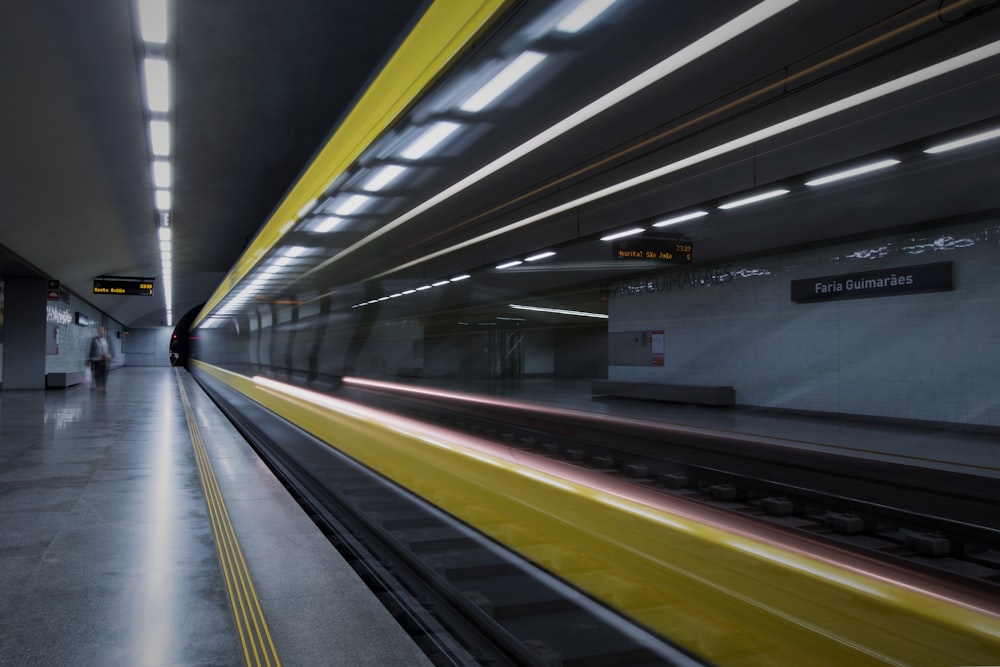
(258, 647)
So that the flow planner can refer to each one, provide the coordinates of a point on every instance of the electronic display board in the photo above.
(653, 249)
(132, 287)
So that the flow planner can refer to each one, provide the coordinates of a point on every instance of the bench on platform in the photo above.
(63, 380)
(673, 393)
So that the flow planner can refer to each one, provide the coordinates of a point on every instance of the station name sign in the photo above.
(130, 287)
(651, 249)
(884, 282)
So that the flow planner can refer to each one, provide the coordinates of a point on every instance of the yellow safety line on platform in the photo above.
(258, 647)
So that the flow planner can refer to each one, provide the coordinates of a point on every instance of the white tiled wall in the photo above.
(933, 356)
(70, 341)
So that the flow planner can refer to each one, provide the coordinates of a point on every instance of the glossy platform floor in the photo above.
(107, 549)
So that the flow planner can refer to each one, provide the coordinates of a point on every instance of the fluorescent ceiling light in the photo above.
(440, 283)
(849, 173)
(541, 255)
(507, 265)
(153, 21)
(700, 47)
(295, 251)
(409, 291)
(161, 174)
(753, 199)
(327, 224)
(961, 143)
(582, 15)
(620, 235)
(560, 311)
(423, 287)
(464, 276)
(353, 203)
(508, 76)
(429, 140)
(157, 84)
(165, 246)
(383, 177)
(165, 233)
(680, 218)
(163, 200)
(159, 137)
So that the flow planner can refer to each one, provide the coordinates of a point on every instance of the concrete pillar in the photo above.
(24, 333)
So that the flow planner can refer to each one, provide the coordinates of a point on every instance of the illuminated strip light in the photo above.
(753, 199)
(327, 225)
(849, 102)
(163, 200)
(383, 178)
(700, 47)
(583, 15)
(507, 265)
(157, 84)
(621, 235)
(352, 204)
(541, 255)
(162, 176)
(560, 311)
(429, 140)
(153, 21)
(962, 143)
(499, 84)
(851, 173)
(681, 218)
(159, 137)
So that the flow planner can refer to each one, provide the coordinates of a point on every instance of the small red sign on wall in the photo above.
(656, 347)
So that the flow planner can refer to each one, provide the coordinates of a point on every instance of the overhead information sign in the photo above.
(651, 249)
(131, 287)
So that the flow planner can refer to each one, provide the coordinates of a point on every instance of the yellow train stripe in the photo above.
(729, 597)
(255, 638)
(441, 35)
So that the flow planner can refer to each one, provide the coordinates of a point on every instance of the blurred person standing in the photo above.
(99, 358)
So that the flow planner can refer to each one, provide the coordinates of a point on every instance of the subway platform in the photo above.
(113, 507)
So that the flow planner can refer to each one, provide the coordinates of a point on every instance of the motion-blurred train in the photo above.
(537, 205)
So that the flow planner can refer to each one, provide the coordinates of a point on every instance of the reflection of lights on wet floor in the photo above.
(161, 578)
(62, 417)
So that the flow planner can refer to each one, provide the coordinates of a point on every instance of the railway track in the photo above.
(942, 522)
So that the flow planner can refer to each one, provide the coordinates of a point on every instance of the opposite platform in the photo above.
(108, 553)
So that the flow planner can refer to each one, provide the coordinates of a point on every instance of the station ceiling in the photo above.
(815, 88)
